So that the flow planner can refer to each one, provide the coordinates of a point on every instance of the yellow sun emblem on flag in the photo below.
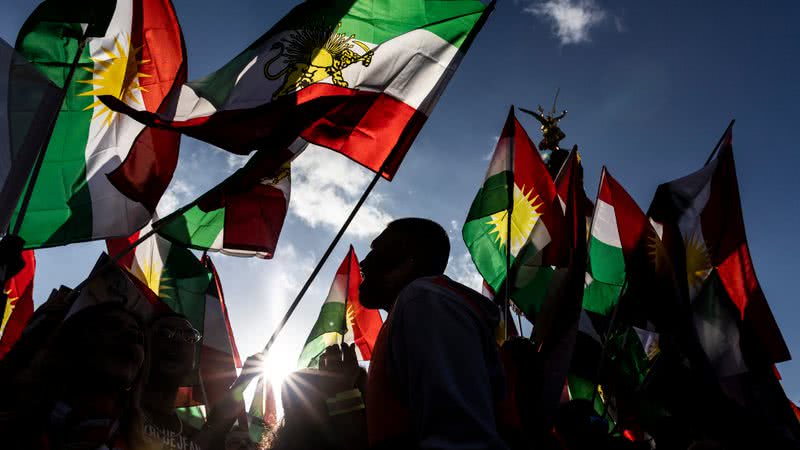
(350, 314)
(11, 303)
(150, 273)
(656, 251)
(523, 218)
(117, 74)
(698, 261)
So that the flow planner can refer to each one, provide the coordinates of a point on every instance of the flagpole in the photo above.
(716, 147)
(509, 218)
(153, 230)
(624, 284)
(322, 261)
(23, 208)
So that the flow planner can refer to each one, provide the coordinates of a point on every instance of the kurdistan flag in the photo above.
(516, 178)
(343, 317)
(242, 216)
(102, 173)
(703, 228)
(171, 272)
(219, 356)
(606, 270)
(356, 76)
(646, 269)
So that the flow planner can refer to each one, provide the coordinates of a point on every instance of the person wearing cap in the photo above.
(172, 357)
(435, 374)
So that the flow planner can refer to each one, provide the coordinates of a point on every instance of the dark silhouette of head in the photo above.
(173, 341)
(99, 351)
(407, 249)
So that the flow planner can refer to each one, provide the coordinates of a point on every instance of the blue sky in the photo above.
(649, 86)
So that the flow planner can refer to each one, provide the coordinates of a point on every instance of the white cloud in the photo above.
(236, 161)
(178, 194)
(462, 269)
(326, 186)
(571, 19)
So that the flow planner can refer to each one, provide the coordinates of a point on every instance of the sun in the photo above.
(523, 218)
(698, 261)
(11, 303)
(117, 75)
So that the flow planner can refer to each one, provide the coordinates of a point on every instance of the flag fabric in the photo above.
(170, 271)
(356, 76)
(262, 414)
(242, 216)
(102, 173)
(28, 105)
(703, 226)
(19, 303)
(518, 180)
(559, 316)
(541, 267)
(219, 356)
(646, 271)
(606, 271)
(343, 317)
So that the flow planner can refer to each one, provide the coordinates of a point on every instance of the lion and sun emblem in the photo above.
(314, 54)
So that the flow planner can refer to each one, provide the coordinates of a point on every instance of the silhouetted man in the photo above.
(435, 373)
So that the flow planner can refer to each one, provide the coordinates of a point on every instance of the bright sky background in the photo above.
(649, 86)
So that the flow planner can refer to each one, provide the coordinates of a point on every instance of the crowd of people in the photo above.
(103, 377)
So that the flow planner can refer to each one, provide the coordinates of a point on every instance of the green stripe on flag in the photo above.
(531, 287)
(184, 282)
(368, 21)
(600, 298)
(60, 208)
(606, 262)
(486, 251)
(492, 197)
(195, 228)
(330, 324)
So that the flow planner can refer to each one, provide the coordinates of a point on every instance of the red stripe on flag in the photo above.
(723, 229)
(218, 286)
(148, 167)
(19, 292)
(371, 128)
(117, 245)
(366, 323)
(254, 219)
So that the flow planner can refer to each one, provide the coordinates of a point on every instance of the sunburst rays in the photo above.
(11, 303)
(151, 273)
(523, 218)
(116, 73)
(698, 261)
(657, 252)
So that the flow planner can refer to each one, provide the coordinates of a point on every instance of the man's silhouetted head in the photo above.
(407, 249)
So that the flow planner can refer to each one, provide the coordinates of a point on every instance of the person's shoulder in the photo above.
(440, 284)
(442, 288)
